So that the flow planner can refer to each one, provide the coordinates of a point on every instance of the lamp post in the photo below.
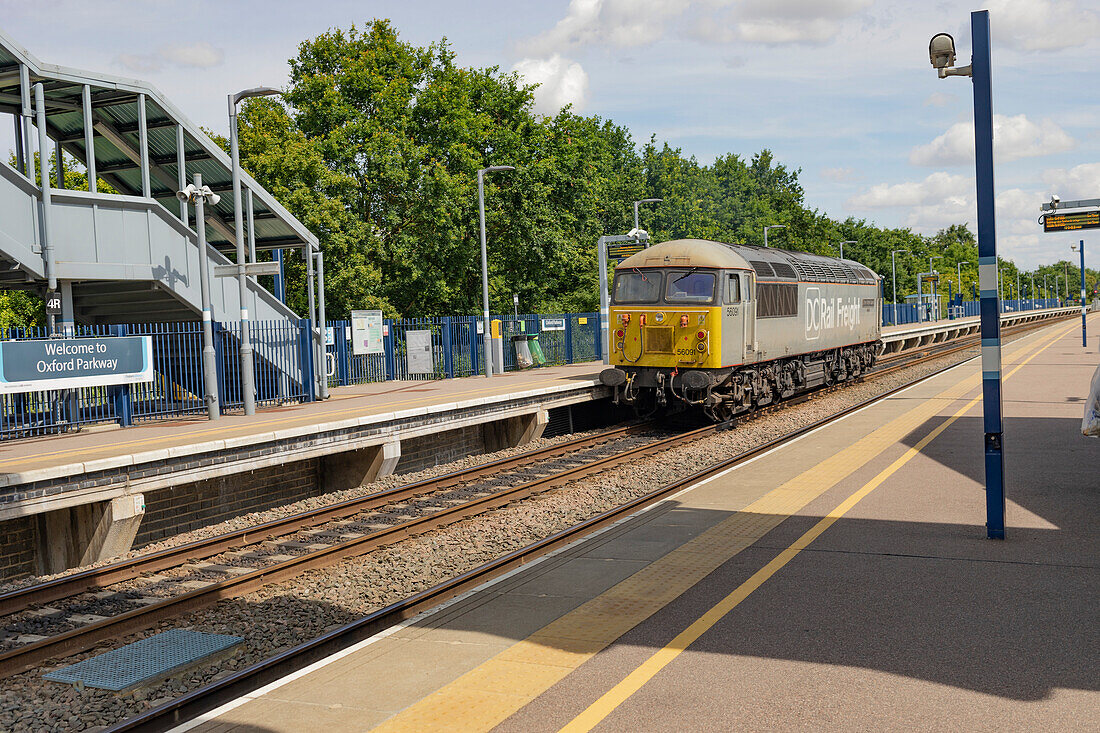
(894, 278)
(771, 226)
(642, 201)
(1084, 335)
(487, 338)
(934, 287)
(846, 241)
(1046, 289)
(1057, 292)
(198, 195)
(248, 387)
(1065, 267)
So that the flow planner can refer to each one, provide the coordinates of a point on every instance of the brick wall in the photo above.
(18, 539)
(190, 506)
(431, 450)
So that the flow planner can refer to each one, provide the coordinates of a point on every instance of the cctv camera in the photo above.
(1054, 201)
(941, 51)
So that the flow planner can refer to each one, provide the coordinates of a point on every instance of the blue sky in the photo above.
(839, 88)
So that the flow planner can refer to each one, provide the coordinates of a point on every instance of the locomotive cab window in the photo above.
(733, 288)
(637, 287)
(689, 286)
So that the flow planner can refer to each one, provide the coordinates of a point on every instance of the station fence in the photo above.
(284, 369)
(912, 313)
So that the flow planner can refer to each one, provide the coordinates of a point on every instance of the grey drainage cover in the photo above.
(155, 656)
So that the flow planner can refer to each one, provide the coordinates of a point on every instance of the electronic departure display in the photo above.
(621, 250)
(1071, 221)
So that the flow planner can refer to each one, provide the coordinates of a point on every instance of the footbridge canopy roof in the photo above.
(116, 117)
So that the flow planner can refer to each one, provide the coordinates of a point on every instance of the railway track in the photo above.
(212, 695)
(126, 597)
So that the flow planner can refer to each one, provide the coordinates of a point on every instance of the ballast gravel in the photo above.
(281, 616)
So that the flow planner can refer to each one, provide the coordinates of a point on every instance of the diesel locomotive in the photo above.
(726, 327)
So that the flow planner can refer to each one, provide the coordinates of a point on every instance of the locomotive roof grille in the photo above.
(783, 269)
(763, 269)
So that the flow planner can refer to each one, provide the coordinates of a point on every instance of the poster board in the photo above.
(366, 333)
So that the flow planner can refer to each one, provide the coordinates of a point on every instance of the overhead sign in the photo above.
(1071, 221)
(29, 366)
(619, 251)
(366, 332)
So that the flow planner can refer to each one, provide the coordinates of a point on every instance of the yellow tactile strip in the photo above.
(487, 695)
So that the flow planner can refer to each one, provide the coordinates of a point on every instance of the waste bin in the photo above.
(537, 355)
(522, 351)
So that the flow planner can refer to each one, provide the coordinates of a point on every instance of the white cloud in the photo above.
(940, 99)
(620, 23)
(776, 21)
(1042, 25)
(1013, 138)
(936, 189)
(1080, 182)
(839, 174)
(630, 23)
(201, 55)
(139, 63)
(943, 199)
(560, 81)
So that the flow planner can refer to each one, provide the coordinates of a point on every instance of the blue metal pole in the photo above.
(1084, 334)
(280, 279)
(987, 277)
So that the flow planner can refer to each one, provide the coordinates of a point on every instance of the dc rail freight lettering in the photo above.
(726, 328)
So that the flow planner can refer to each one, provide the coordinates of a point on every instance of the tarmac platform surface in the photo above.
(18, 460)
(840, 582)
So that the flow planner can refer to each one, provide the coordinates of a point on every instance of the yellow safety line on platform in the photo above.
(615, 697)
(490, 693)
(222, 430)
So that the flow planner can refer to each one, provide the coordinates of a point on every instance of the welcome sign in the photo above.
(29, 366)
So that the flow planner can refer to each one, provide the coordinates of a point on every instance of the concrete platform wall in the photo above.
(53, 540)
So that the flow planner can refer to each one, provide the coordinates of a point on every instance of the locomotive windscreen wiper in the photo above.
(685, 274)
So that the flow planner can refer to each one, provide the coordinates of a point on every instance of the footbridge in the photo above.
(127, 251)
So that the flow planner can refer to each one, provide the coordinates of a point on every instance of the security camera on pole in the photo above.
(941, 52)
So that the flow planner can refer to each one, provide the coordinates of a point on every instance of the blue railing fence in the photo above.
(282, 362)
(178, 386)
(457, 346)
(284, 365)
(907, 312)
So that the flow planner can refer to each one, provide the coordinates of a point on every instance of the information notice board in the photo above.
(366, 332)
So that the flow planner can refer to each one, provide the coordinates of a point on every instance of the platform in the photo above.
(183, 474)
(841, 582)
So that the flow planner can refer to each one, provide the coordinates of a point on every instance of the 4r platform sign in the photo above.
(29, 366)
(1071, 221)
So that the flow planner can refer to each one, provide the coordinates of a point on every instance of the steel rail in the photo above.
(74, 641)
(70, 585)
(206, 698)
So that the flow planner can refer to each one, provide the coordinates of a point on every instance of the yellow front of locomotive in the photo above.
(666, 337)
(666, 307)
